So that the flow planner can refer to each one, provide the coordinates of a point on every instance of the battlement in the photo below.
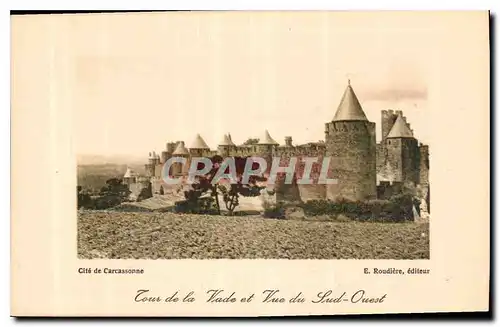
(170, 147)
(388, 118)
(357, 161)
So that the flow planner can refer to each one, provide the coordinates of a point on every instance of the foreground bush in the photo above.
(111, 195)
(205, 206)
(398, 208)
(274, 210)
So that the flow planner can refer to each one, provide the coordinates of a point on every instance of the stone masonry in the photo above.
(364, 169)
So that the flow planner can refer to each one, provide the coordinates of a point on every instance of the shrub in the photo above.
(397, 208)
(205, 205)
(146, 193)
(106, 202)
(110, 195)
(275, 210)
(83, 199)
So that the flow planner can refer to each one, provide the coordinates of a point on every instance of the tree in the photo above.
(251, 141)
(230, 192)
(83, 198)
(115, 187)
(146, 193)
(112, 194)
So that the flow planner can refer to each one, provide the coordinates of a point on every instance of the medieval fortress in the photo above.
(364, 168)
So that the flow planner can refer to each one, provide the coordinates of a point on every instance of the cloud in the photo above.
(394, 94)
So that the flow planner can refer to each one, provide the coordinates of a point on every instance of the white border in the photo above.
(178, 5)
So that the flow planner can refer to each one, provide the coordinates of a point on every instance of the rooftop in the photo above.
(349, 107)
(181, 149)
(400, 129)
(199, 143)
(266, 139)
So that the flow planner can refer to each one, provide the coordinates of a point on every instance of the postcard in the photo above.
(245, 163)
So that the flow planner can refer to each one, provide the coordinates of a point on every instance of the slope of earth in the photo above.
(127, 235)
(155, 203)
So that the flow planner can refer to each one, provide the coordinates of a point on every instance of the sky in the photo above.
(142, 80)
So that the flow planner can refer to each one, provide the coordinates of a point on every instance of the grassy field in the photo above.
(118, 235)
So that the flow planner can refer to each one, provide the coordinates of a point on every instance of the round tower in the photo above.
(351, 146)
(129, 177)
(226, 146)
(265, 148)
(178, 168)
(199, 147)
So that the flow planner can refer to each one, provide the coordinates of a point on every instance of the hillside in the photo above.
(94, 176)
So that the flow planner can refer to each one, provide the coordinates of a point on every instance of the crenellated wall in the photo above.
(388, 119)
(356, 161)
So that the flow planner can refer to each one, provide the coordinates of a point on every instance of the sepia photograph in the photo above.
(250, 163)
(250, 135)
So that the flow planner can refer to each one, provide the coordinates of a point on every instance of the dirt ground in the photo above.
(119, 235)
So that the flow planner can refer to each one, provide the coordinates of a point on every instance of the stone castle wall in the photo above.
(356, 160)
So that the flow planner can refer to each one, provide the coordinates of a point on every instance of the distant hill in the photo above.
(89, 159)
(94, 176)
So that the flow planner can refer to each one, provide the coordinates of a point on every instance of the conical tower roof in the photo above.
(400, 129)
(199, 143)
(349, 107)
(226, 140)
(267, 139)
(181, 149)
(129, 173)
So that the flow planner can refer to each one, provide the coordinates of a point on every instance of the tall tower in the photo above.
(129, 177)
(351, 146)
(150, 166)
(226, 146)
(265, 148)
(199, 147)
(167, 153)
(403, 154)
(178, 168)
